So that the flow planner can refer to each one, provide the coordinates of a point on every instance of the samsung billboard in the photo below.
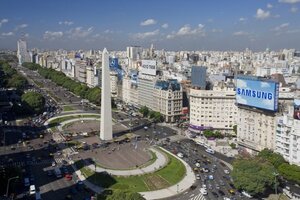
(148, 67)
(254, 92)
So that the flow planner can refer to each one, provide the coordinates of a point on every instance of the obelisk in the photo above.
(106, 119)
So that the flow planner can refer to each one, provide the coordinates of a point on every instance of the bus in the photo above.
(211, 151)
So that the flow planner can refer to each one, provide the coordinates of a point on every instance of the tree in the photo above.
(17, 81)
(253, 175)
(274, 158)
(144, 110)
(290, 172)
(33, 101)
(235, 129)
(124, 195)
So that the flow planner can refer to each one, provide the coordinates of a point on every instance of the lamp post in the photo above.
(7, 187)
(275, 175)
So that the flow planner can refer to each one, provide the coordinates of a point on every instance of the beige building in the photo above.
(80, 70)
(167, 99)
(129, 91)
(90, 77)
(114, 83)
(213, 108)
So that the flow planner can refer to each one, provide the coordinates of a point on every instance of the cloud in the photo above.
(187, 30)
(165, 25)
(293, 31)
(79, 32)
(146, 34)
(294, 9)
(7, 34)
(52, 35)
(289, 1)
(215, 30)
(241, 83)
(242, 19)
(261, 14)
(240, 33)
(108, 31)
(269, 5)
(3, 21)
(264, 85)
(18, 27)
(148, 22)
(67, 23)
(280, 27)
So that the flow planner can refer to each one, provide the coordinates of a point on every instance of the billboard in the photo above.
(148, 67)
(258, 93)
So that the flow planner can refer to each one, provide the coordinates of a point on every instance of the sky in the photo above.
(167, 24)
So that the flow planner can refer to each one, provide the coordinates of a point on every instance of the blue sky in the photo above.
(168, 24)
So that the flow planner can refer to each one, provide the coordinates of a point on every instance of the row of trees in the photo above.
(212, 134)
(80, 89)
(10, 78)
(146, 112)
(258, 174)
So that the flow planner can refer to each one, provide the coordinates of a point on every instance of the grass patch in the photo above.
(68, 108)
(55, 122)
(169, 175)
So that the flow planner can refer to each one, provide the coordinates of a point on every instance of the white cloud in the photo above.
(146, 34)
(240, 33)
(269, 5)
(148, 22)
(242, 19)
(108, 31)
(293, 31)
(79, 32)
(187, 30)
(7, 34)
(68, 23)
(3, 21)
(241, 83)
(264, 85)
(240, 100)
(165, 25)
(261, 14)
(215, 30)
(280, 27)
(18, 27)
(294, 9)
(52, 35)
(289, 1)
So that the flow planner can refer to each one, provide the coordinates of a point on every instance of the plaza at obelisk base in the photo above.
(106, 119)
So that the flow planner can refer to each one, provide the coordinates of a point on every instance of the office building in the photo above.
(198, 77)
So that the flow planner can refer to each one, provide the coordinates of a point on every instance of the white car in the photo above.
(197, 164)
(180, 155)
(32, 189)
(211, 177)
(203, 191)
(226, 171)
(53, 164)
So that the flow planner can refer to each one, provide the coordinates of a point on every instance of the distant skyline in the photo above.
(168, 24)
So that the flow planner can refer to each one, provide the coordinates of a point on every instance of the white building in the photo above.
(114, 83)
(22, 53)
(287, 141)
(213, 108)
(145, 90)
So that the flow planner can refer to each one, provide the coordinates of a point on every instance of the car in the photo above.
(246, 194)
(221, 192)
(197, 164)
(49, 173)
(215, 194)
(198, 177)
(32, 190)
(226, 171)
(12, 148)
(231, 191)
(53, 164)
(217, 186)
(222, 183)
(211, 177)
(68, 177)
(180, 155)
(210, 187)
(203, 191)
(206, 170)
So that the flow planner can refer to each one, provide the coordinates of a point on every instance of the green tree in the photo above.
(235, 129)
(274, 158)
(33, 101)
(290, 172)
(145, 111)
(17, 81)
(124, 195)
(253, 175)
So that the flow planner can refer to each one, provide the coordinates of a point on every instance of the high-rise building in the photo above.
(106, 116)
(198, 77)
(22, 53)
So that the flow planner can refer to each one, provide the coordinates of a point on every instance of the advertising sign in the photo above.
(297, 109)
(148, 67)
(254, 92)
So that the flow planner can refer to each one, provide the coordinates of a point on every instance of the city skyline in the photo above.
(170, 25)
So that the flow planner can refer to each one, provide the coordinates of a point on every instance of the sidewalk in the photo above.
(173, 190)
(160, 162)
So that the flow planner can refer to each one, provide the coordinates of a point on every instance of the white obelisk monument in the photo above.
(106, 119)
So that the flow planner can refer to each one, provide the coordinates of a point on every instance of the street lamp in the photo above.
(7, 187)
(275, 175)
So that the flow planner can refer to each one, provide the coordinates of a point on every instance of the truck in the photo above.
(57, 172)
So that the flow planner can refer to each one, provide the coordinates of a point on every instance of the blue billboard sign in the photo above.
(254, 92)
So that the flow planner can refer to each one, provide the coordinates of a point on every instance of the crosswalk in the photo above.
(197, 197)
